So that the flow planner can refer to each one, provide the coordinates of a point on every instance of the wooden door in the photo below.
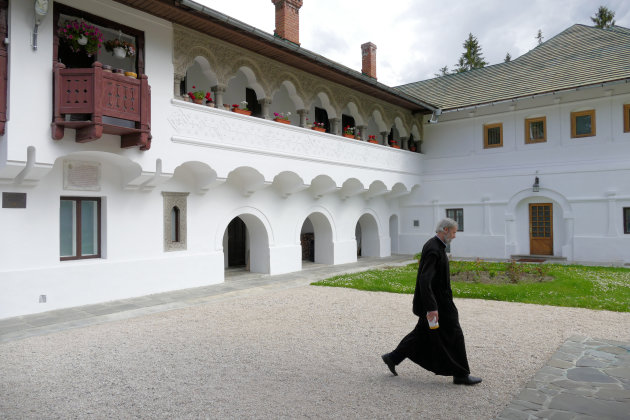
(541, 229)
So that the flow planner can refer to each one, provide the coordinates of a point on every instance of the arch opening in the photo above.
(316, 239)
(367, 237)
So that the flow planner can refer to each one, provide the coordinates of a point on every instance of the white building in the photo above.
(117, 186)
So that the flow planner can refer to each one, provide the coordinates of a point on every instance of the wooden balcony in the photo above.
(95, 102)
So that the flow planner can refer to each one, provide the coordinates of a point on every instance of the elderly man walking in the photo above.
(437, 341)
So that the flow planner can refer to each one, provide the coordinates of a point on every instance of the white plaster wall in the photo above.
(590, 176)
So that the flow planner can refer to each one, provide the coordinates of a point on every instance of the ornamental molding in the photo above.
(226, 59)
(220, 129)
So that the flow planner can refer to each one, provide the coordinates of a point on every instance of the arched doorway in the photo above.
(316, 239)
(246, 243)
(237, 244)
(367, 237)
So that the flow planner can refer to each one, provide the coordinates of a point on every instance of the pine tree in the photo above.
(507, 58)
(442, 72)
(604, 18)
(471, 58)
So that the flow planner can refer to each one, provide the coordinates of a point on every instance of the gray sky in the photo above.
(415, 38)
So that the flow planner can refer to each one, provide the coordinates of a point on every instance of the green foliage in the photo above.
(572, 285)
(471, 57)
(442, 72)
(604, 18)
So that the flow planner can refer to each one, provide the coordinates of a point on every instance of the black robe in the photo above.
(442, 350)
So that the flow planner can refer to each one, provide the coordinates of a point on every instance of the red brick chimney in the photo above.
(368, 54)
(288, 19)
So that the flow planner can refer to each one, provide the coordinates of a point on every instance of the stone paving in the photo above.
(584, 379)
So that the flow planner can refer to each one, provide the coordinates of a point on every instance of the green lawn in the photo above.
(545, 284)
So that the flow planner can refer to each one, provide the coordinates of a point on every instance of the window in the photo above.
(536, 130)
(583, 124)
(458, 216)
(174, 220)
(79, 228)
(109, 29)
(492, 135)
(175, 229)
(626, 118)
(626, 220)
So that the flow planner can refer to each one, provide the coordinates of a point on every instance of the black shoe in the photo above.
(387, 358)
(466, 380)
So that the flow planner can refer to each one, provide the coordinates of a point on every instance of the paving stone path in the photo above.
(584, 379)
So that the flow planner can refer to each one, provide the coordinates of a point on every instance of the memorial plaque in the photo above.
(13, 200)
(81, 176)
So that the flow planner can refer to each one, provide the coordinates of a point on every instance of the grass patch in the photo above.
(544, 284)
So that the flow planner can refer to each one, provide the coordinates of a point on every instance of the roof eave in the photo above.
(203, 19)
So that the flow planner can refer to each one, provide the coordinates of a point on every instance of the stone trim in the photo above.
(172, 199)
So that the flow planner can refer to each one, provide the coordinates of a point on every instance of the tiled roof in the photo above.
(579, 56)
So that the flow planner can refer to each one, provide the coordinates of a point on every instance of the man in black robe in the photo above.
(440, 350)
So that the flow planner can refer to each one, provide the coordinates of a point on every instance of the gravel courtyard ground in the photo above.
(305, 352)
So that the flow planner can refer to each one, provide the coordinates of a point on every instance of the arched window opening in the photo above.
(175, 223)
(321, 116)
(252, 102)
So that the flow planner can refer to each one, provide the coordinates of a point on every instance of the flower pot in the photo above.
(241, 111)
(83, 40)
(198, 101)
(210, 104)
(320, 129)
(131, 74)
(350, 136)
(282, 120)
(119, 52)
(372, 141)
(395, 146)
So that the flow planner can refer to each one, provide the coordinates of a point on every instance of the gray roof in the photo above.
(580, 56)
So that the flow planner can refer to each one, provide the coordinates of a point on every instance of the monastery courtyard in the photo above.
(274, 347)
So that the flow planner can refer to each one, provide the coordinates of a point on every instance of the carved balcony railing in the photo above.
(96, 102)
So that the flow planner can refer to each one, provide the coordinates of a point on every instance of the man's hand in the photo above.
(432, 316)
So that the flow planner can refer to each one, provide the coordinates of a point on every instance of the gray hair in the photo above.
(446, 223)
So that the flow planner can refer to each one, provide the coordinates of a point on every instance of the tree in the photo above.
(604, 18)
(442, 72)
(471, 58)
(507, 58)
(539, 37)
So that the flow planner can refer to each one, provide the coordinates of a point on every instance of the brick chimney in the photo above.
(288, 19)
(368, 55)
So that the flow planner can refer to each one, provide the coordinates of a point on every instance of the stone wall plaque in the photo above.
(13, 200)
(81, 176)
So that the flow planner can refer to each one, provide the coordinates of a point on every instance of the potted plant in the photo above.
(282, 117)
(394, 144)
(348, 132)
(198, 96)
(372, 139)
(319, 126)
(120, 49)
(81, 37)
(243, 110)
